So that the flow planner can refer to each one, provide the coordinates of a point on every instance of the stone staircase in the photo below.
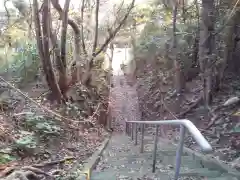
(122, 160)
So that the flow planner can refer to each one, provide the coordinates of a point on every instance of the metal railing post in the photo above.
(155, 150)
(184, 125)
(126, 128)
(136, 134)
(142, 139)
(179, 152)
(132, 131)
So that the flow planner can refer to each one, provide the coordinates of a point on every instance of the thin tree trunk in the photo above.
(230, 42)
(206, 47)
(62, 64)
(95, 41)
(196, 42)
(183, 11)
(43, 48)
(82, 29)
(179, 77)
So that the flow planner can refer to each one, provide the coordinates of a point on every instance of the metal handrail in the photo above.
(184, 124)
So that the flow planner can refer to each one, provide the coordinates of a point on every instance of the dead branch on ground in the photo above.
(192, 106)
(54, 162)
(25, 173)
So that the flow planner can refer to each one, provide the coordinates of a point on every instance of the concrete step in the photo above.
(126, 175)
(186, 161)
(122, 158)
(224, 178)
(200, 173)
(145, 159)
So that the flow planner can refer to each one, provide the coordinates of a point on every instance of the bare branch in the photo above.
(113, 34)
(57, 6)
(86, 76)
(96, 27)
(82, 33)
(6, 9)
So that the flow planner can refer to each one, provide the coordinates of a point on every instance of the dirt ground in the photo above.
(219, 125)
(56, 155)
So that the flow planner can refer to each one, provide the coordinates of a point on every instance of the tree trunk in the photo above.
(230, 39)
(179, 76)
(43, 49)
(62, 62)
(206, 47)
(77, 40)
(196, 42)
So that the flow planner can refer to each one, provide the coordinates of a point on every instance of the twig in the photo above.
(190, 107)
(92, 116)
(23, 113)
(58, 116)
(35, 170)
(54, 162)
(211, 123)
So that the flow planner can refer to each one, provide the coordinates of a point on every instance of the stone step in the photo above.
(186, 161)
(169, 149)
(126, 175)
(167, 157)
(223, 178)
(164, 175)
(123, 158)
(200, 172)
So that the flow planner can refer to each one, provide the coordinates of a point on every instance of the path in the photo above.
(121, 159)
(123, 97)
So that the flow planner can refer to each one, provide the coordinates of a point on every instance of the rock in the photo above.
(231, 101)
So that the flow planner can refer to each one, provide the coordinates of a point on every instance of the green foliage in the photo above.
(26, 63)
(25, 141)
(23, 63)
(151, 38)
(36, 128)
(42, 125)
(5, 158)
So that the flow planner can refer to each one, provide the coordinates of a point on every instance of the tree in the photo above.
(43, 47)
(230, 39)
(62, 62)
(77, 40)
(78, 73)
(206, 48)
(179, 77)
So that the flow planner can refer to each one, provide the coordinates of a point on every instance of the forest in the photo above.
(57, 77)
